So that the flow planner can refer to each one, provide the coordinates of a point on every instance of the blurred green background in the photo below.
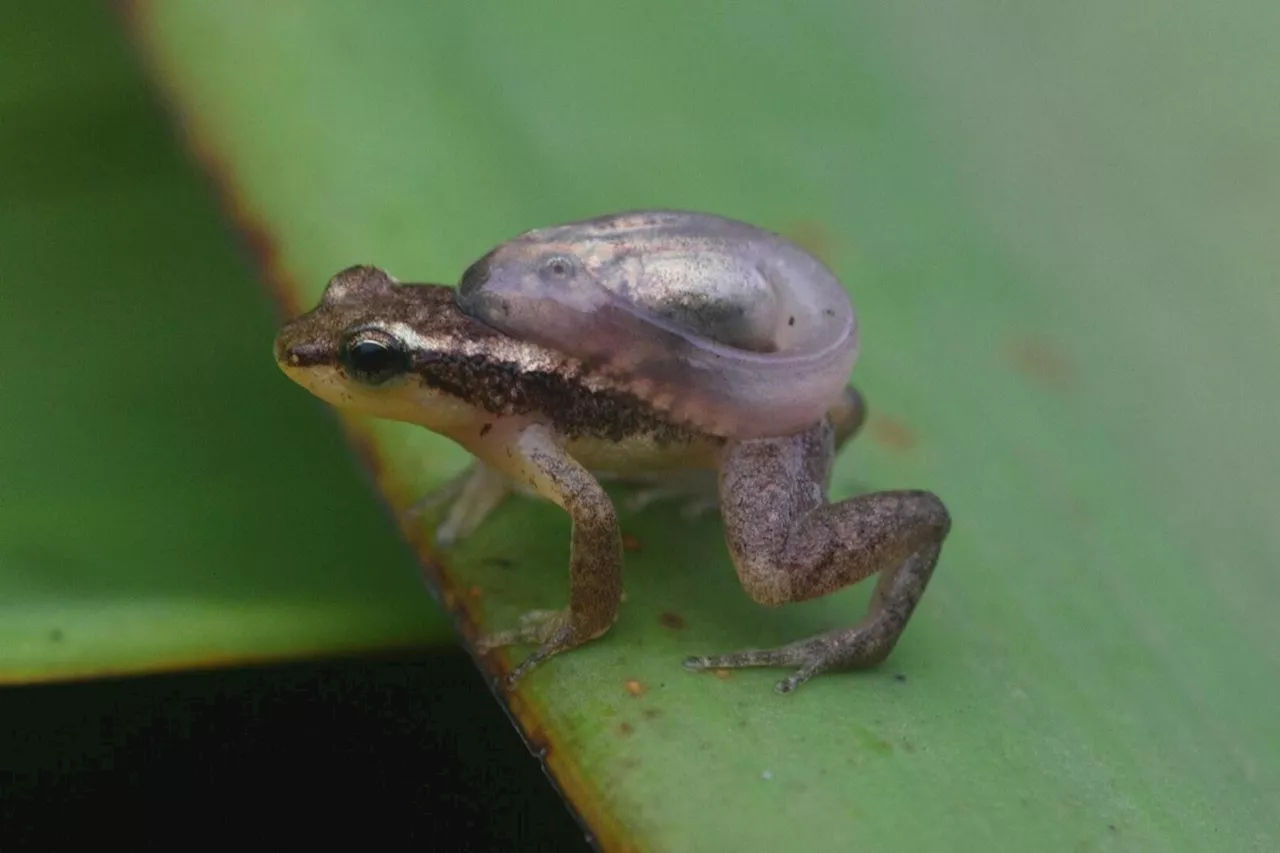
(165, 498)
(1056, 221)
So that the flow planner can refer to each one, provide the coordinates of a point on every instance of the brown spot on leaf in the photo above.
(1078, 510)
(635, 688)
(630, 543)
(475, 592)
(674, 621)
(1041, 362)
(892, 434)
(723, 674)
(651, 713)
(625, 728)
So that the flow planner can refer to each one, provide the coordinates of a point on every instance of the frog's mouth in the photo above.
(305, 358)
(319, 378)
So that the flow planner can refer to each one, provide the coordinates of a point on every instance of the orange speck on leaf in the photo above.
(635, 688)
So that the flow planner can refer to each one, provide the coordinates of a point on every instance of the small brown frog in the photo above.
(652, 343)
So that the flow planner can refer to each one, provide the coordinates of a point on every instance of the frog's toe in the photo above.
(698, 507)
(456, 527)
(809, 656)
(532, 627)
(642, 498)
(551, 630)
(438, 497)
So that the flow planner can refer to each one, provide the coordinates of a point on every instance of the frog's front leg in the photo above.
(472, 496)
(789, 544)
(595, 550)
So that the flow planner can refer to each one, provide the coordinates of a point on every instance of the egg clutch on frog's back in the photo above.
(711, 315)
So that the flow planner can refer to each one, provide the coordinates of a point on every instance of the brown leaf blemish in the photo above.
(1041, 362)
(630, 543)
(635, 688)
(674, 621)
(625, 729)
(892, 434)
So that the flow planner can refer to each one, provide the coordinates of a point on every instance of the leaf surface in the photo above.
(1056, 224)
(165, 501)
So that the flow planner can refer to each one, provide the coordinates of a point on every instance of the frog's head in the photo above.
(370, 344)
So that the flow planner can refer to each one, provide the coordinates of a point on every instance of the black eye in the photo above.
(558, 268)
(373, 360)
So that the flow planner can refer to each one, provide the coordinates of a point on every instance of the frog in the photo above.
(655, 346)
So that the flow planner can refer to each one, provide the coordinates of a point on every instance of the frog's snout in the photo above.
(293, 352)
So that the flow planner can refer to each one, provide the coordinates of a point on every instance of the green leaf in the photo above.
(1055, 222)
(166, 500)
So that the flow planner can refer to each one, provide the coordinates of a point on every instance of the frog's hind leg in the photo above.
(788, 544)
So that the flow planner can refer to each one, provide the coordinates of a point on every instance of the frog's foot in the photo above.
(859, 647)
(695, 507)
(695, 491)
(471, 495)
(553, 631)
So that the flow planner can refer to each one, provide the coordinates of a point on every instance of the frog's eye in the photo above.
(373, 357)
(559, 268)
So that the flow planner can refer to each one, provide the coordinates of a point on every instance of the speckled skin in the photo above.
(539, 419)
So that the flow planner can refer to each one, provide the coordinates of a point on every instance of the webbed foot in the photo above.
(851, 648)
(553, 631)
